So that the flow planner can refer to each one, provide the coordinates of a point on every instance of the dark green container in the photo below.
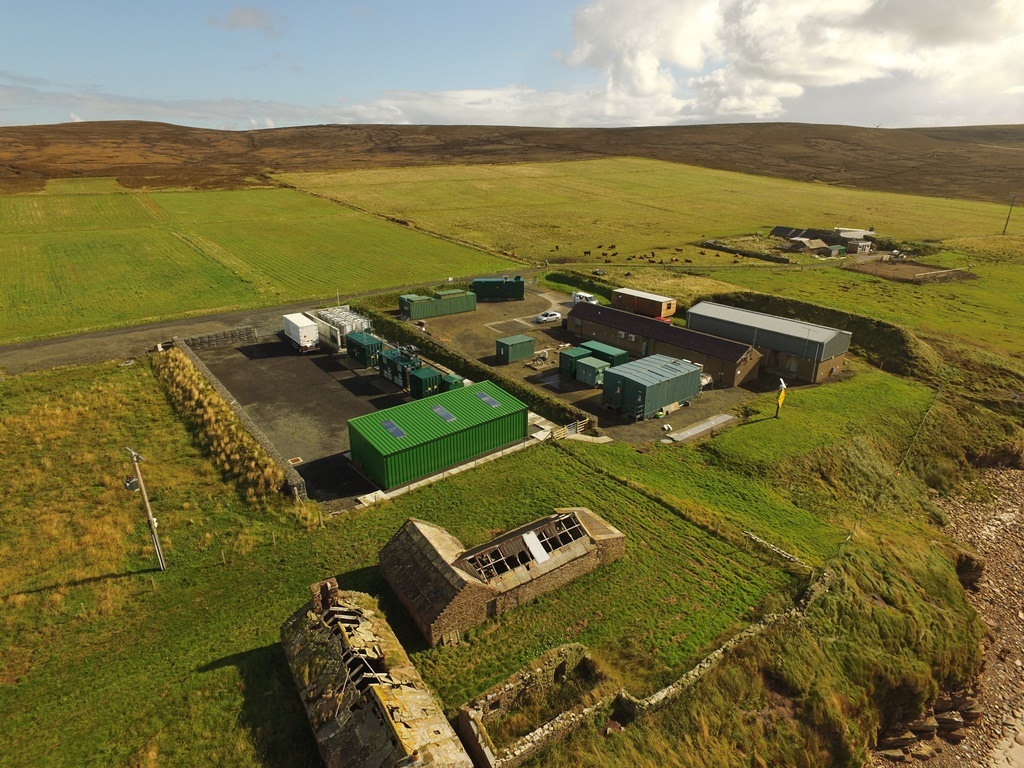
(363, 347)
(590, 371)
(513, 348)
(606, 352)
(499, 288)
(395, 366)
(452, 381)
(398, 445)
(644, 387)
(567, 361)
(424, 382)
(450, 302)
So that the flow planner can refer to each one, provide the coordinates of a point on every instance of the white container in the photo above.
(302, 332)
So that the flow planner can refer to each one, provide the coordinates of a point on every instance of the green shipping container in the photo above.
(363, 347)
(605, 352)
(644, 387)
(452, 381)
(590, 371)
(398, 445)
(417, 307)
(567, 361)
(513, 348)
(395, 366)
(424, 382)
(499, 288)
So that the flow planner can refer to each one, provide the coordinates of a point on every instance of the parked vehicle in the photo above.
(583, 298)
(302, 332)
(548, 317)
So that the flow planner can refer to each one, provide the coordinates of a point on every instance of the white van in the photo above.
(583, 298)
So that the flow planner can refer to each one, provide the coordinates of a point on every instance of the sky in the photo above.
(559, 63)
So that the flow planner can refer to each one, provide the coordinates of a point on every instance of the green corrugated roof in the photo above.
(363, 338)
(577, 352)
(422, 425)
(594, 363)
(598, 346)
(425, 373)
(654, 369)
(512, 340)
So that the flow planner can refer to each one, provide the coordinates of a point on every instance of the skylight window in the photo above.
(395, 430)
(443, 412)
(488, 399)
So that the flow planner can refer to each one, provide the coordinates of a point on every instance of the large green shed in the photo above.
(363, 347)
(400, 444)
(567, 359)
(644, 387)
(499, 288)
(606, 352)
(449, 302)
(513, 348)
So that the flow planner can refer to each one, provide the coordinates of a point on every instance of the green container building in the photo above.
(499, 288)
(606, 352)
(590, 371)
(513, 348)
(417, 307)
(400, 444)
(567, 359)
(424, 382)
(363, 347)
(644, 387)
(395, 366)
(452, 381)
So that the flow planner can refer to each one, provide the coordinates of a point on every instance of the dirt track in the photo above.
(981, 162)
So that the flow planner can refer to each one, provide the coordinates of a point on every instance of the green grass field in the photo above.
(85, 254)
(631, 206)
(183, 668)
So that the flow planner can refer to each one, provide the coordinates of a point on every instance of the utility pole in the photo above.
(136, 458)
(1013, 199)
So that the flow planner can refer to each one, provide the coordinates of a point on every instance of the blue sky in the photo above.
(553, 63)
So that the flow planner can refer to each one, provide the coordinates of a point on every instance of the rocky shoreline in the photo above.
(994, 528)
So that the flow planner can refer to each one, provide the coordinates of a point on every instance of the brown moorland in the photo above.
(976, 162)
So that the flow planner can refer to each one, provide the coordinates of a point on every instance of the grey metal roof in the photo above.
(782, 325)
(654, 369)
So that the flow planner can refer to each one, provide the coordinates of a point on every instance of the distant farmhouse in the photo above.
(835, 242)
(730, 363)
(366, 702)
(448, 589)
(805, 351)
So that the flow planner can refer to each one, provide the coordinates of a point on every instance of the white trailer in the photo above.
(302, 332)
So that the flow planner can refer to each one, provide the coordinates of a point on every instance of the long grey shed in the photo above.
(806, 350)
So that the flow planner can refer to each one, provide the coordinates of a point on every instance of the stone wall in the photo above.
(547, 582)
(500, 700)
(295, 485)
(223, 339)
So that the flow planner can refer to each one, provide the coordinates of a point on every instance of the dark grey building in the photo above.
(802, 350)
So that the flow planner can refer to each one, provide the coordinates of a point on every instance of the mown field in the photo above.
(631, 206)
(183, 667)
(85, 254)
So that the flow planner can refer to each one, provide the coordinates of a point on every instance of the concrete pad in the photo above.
(701, 427)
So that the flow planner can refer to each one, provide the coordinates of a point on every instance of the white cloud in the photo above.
(673, 60)
(75, 118)
(256, 19)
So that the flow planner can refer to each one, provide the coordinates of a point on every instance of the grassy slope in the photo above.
(86, 254)
(631, 206)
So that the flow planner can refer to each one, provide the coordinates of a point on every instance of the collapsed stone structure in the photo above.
(448, 589)
(368, 706)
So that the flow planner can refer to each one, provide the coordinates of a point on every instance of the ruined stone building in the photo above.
(449, 589)
(367, 705)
